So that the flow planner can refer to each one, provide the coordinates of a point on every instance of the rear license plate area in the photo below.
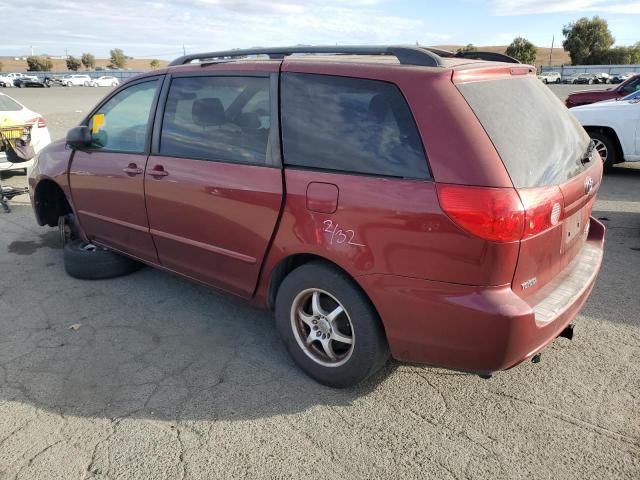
(573, 228)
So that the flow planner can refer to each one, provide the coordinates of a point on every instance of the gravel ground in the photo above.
(166, 379)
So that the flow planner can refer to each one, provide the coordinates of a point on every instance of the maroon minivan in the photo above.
(381, 200)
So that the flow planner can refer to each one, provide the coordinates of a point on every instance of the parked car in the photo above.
(570, 78)
(586, 78)
(603, 77)
(621, 77)
(6, 79)
(104, 81)
(550, 77)
(590, 96)
(323, 189)
(614, 126)
(76, 80)
(30, 81)
(17, 121)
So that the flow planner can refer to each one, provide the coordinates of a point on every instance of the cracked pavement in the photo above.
(167, 379)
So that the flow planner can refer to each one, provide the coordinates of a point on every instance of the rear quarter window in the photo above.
(349, 125)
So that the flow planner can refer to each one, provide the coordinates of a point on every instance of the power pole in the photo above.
(553, 39)
(184, 51)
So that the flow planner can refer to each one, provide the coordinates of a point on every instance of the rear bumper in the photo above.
(481, 329)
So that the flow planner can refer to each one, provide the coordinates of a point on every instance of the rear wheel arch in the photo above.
(611, 133)
(50, 203)
(290, 263)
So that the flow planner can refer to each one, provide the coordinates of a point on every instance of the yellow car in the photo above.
(17, 121)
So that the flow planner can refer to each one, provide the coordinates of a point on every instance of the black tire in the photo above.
(369, 350)
(87, 262)
(558, 81)
(612, 151)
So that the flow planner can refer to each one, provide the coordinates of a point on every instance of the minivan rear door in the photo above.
(546, 153)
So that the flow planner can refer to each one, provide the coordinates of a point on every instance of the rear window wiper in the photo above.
(586, 158)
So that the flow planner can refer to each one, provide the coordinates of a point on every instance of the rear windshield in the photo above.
(539, 141)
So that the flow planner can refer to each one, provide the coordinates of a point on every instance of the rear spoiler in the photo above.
(486, 56)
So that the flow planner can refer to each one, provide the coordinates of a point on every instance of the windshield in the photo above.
(7, 104)
(633, 96)
(539, 140)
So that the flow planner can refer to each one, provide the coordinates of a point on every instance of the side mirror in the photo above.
(79, 137)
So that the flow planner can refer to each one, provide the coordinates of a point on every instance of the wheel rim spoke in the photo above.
(339, 337)
(305, 317)
(335, 313)
(328, 349)
(310, 338)
(315, 304)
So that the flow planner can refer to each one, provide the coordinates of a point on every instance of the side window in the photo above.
(632, 86)
(217, 118)
(349, 125)
(122, 123)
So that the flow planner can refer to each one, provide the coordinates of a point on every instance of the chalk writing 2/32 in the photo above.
(338, 235)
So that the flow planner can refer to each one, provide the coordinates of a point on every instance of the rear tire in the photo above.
(88, 262)
(354, 335)
(605, 144)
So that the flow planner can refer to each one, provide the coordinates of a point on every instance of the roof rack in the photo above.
(406, 55)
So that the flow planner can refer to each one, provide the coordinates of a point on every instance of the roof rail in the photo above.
(406, 55)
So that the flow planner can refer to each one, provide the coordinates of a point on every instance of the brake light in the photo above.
(38, 122)
(544, 208)
(502, 214)
(494, 214)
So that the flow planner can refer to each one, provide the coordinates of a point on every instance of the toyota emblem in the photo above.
(588, 186)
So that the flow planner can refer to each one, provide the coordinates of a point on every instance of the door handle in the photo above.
(132, 169)
(158, 171)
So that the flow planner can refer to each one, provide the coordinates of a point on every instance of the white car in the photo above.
(104, 81)
(6, 79)
(550, 77)
(17, 121)
(614, 126)
(75, 80)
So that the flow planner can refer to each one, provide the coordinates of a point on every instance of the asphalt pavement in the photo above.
(161, 378)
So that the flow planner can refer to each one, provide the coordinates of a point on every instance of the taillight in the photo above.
(544, 208)
(38, 122)
(495, 214)
(502, 214)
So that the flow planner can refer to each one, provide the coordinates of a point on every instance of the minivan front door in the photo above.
(213, 184)
(107, 179)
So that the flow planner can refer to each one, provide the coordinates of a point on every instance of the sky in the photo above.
(160, 28)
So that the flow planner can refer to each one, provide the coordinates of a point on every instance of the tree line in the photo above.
(117, 59)
(588, 41)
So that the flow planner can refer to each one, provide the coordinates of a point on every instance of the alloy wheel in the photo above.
(602, 149)
(322, 327)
